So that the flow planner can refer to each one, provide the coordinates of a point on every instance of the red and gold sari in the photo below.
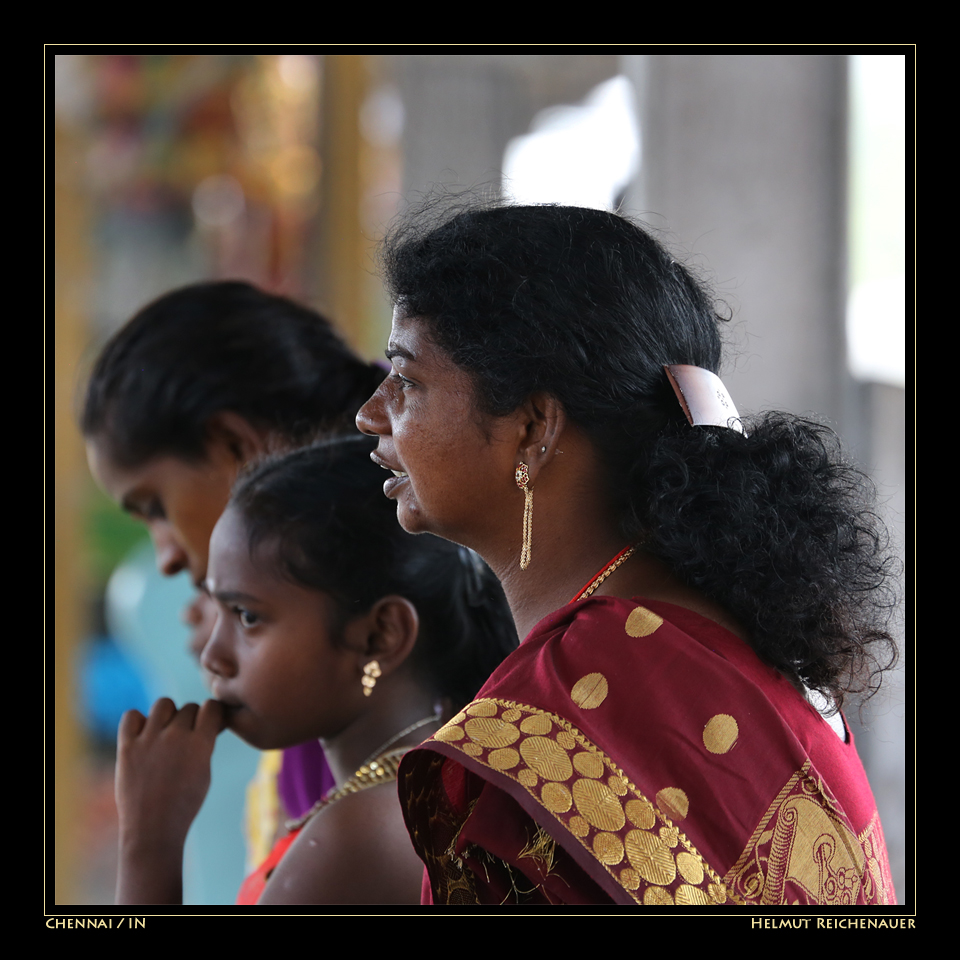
(633, 752)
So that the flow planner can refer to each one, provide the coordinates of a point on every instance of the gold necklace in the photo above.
(605, 572)
(380, 767)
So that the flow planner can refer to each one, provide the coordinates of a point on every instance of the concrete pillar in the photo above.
(462, 111)
(744, 169)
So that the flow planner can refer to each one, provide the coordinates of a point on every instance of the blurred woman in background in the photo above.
(199, 383)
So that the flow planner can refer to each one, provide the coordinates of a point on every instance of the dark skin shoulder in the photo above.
(357, 850)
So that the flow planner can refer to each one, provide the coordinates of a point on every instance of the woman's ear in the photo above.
(386, 633)
(232, 432)
(545, 421)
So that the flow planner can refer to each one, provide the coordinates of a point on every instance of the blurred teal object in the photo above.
(110, 684)
(143, 613)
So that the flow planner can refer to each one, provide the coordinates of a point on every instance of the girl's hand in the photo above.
(163, 774)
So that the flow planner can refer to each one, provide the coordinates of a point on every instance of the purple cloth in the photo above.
(304, 777)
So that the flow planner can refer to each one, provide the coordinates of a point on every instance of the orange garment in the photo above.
(252, 888)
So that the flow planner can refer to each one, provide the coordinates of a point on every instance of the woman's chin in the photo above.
(410, 516)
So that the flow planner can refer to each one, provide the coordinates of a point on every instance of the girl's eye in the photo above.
(246, 618)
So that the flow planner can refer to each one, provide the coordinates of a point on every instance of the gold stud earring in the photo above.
(371, 671)
(523, 482)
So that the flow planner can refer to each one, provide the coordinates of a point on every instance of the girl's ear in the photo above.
(386, 633)
(232, 432)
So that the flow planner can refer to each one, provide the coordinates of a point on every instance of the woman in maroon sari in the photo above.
(699, 593)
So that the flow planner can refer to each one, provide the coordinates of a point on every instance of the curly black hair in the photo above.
(585, 305)
(224, 345)
(334, 530)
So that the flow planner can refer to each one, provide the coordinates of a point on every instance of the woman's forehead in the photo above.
(410, 339)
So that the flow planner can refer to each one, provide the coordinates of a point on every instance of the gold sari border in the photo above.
(630, 839)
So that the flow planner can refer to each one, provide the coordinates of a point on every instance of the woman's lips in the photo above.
(390, 486)
(398, 477)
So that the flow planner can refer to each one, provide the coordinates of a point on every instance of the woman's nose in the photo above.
(171, 557)
(370, 418)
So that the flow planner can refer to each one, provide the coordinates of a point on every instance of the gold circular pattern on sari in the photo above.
(657, 897)
(578, 826)
(449, 734)
(547, 758)
(608, 848)
(617, 784)
(590, 691)
(690, 896)
(650, 858)
(503, 759)
(588, 764)
(720, 734)
(598, 804)
(673, 803)
(536, 724)
(690, 868)
(491, 732)
(573, 780)
(482, 708)
(556, 797)
(642, 622)
(641, 814)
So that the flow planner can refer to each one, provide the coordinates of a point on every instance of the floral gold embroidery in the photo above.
(805, 852)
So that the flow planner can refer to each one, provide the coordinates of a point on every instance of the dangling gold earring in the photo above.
(523, 482)
(369, 679)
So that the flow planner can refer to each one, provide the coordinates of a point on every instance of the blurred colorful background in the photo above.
(780, 177)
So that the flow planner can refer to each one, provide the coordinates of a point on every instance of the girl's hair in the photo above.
(586, 306)
(221, 346)
(334, 530)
